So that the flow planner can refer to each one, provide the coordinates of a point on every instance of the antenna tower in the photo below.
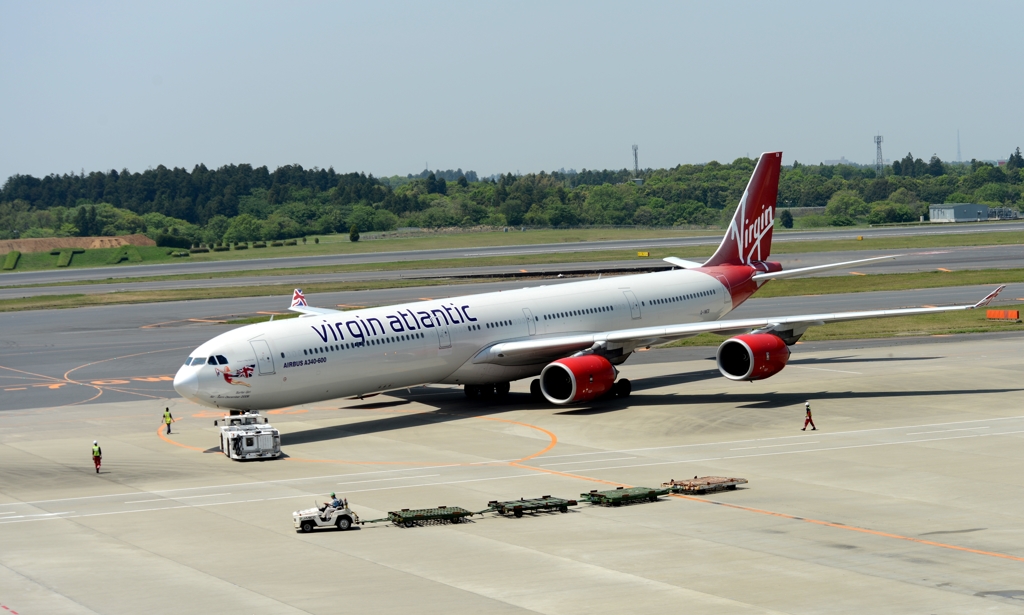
(959, 160)
(636, 167)
(879, 161)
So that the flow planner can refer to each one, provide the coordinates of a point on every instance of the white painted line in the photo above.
(746, 448)
(918, 433)
(249, 484)
(835, 433)
(306, 495)
(571, 463)
(10, 512)
(187, 497)
(377, 480)
(41, 515)
(813, 450)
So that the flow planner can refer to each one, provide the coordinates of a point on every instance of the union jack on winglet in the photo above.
(298, 299)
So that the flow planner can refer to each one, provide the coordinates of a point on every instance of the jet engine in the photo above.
(576, 379)
(752, 357)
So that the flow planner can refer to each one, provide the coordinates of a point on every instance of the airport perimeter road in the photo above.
(37, 277)
(903, 501)
(952, 259)
(131, 352)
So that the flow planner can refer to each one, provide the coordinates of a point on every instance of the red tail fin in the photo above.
(749, 237)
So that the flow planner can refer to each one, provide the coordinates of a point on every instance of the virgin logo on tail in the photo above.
(298, 299)
(749, 237)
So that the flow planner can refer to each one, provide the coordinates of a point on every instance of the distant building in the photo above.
(958, 212)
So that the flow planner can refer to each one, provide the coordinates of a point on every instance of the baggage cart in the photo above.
(516, 508)
(704, 484)
(623, 495)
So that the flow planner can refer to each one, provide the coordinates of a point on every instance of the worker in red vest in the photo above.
(808, 420)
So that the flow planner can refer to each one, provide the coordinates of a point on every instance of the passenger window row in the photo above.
(500, 323)
(392, 339)
(583, 312)
(703, 293)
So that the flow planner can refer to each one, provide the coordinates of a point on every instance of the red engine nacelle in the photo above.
(576, 379)
(752, 357)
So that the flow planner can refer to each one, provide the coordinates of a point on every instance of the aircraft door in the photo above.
(634, 305)
(530, 322)
(444, 337)
(264, 358)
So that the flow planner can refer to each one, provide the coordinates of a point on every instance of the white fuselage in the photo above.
(359, 352)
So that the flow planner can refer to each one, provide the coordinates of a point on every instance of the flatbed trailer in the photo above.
(423, 516)
(624, 495)
(704, 484)
(520, 506)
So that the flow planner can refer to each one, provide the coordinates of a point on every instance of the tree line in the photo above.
(246, 203)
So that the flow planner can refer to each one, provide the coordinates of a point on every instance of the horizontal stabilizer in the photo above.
(795, 273)
(685, 264)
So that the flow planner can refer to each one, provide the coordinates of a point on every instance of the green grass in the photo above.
(48, 302)
(948, 323)
(339, 244)
(656, 254)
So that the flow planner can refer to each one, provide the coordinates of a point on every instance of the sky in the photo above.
(389, 87)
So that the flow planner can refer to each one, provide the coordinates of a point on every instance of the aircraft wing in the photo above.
(531, 351)
(312, 311)
(299, 305)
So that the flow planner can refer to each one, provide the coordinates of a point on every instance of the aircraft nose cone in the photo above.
(186, 382)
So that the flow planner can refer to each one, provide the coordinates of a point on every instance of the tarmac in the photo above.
(710, 240)
(906, 499)
(945, 259)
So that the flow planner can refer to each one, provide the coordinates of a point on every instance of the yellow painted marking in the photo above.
(946, 270)
(857, 273)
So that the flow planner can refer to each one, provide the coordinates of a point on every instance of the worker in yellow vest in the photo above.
(97, 455)
(168, 419)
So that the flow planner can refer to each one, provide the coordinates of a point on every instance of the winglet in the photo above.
(299, 305)
(989, 297)
(298, 299)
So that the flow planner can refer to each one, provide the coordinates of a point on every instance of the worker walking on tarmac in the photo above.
(808, 420)
(168, 419)
(97, 455)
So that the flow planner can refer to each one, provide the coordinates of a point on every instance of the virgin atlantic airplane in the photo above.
(571, 335)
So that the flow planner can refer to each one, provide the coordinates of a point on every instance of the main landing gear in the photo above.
(494, 389)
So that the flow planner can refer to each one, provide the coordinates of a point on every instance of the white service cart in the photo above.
(248, 436)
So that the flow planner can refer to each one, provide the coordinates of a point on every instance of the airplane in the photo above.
(570, 336)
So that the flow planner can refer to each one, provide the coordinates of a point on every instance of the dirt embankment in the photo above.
(57, 243)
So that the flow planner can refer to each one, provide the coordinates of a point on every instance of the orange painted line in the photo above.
(854, 528)
(568, 475)
(946, 270)
(20, 389)
(163, 436)
(857, 273)
(216, 322)
(551, 444)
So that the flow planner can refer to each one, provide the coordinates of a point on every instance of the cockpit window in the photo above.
(221, 359)
(198, 361)
(212, 361)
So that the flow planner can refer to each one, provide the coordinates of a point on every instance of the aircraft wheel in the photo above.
(487, 390)
(472, 390)
(502, 389)
(535, 390)
(623, 388)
